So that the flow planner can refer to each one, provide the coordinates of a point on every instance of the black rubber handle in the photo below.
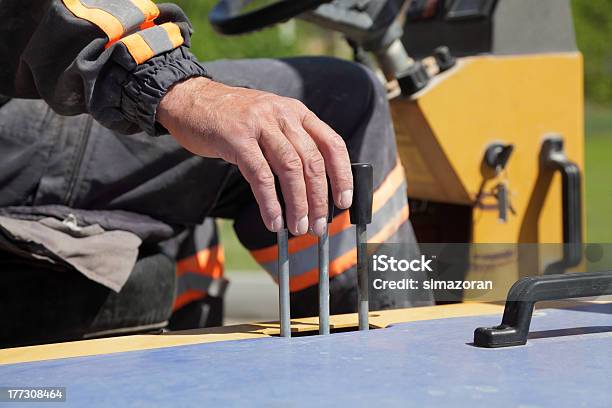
(227, 17)
(554, 158)
(363, 190)
(526, 292)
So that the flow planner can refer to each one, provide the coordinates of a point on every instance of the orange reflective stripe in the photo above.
(392, 226)
(138, 48)
(348, 259)
(187, 297)
(208, 262)
(105, 21)
(341, 221)
(150, 11)
(388, 187)
(141, 51)
(174, 34)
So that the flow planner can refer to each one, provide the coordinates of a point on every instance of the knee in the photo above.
(342, 93)
(371, 83)
(360, 82)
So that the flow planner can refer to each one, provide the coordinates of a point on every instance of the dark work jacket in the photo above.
(112, 59)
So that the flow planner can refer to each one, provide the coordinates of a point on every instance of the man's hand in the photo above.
(262, 134)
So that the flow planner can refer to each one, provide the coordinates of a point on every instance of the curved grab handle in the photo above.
(526, 292)
(553, 157)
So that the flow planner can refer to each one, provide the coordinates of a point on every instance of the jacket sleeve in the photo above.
(113, 59)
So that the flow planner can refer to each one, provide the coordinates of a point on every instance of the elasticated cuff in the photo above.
(146, 86)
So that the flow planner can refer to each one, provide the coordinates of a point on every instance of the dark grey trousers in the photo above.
(46, 159)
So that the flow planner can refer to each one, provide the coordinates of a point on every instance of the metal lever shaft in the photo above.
(323, 247)
(324, 283)
(283, 283)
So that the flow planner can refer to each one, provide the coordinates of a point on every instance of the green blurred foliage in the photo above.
(593, 22)
(598, 168)
(278, 41)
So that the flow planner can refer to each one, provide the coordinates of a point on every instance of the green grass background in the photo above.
(598, 173)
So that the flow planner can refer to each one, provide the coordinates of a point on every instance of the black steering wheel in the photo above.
(227, 17)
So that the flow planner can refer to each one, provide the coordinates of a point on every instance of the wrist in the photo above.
(178, 97)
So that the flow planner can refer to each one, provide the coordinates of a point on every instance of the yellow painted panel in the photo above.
(512, 99)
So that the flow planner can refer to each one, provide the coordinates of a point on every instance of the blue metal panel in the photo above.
(567, 362)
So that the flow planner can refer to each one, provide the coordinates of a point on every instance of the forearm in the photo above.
(112, 60)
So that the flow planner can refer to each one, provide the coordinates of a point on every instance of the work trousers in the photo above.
(48, 159)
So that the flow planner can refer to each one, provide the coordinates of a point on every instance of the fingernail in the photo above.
(277, 224)
(346, 199)
(302, 226)
(319, 227)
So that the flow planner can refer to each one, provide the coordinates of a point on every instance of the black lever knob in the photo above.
(413, 79)
(444, 58)
(363, 190)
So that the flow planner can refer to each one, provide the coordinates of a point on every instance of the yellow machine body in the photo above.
(444, 130)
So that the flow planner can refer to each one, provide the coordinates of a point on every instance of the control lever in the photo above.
(323, 251)
(284, 294)
(284, 301)
(361, 216)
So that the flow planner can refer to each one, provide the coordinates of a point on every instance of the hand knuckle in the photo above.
(263, 177)
(292, 165)
(298, 105)
(253, 110)
(261, 106)
(269, 101)
(284, 123)
(315, 165)
(318, 209)
(260, 175)
(337, 143)
(269, 207)
(279, 103)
